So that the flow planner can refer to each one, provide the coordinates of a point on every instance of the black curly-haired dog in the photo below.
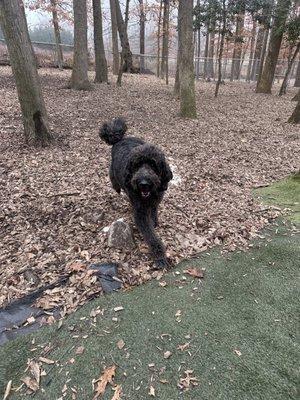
(141, 170)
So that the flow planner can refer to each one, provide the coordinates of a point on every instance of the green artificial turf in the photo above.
(247, 303)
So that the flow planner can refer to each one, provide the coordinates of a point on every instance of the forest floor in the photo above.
(55, 202)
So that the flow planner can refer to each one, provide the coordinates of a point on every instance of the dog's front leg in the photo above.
(143, 220)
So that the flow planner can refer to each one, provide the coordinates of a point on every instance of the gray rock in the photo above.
(120, 235)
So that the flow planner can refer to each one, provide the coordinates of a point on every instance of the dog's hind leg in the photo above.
(154, 216)
(113, 180)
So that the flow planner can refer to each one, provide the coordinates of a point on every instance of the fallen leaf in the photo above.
(30, 320)
(118, 392)
(79, 350)
(152, 391)
(36, 371)
(7, 390)
(120, 308)
(167, 354)
(30, 383)
(195, 272)
(76, 267)
(105, 378)
(178, 313)
(238, 352)
(183, 347)
(120, 344)
(46, 360)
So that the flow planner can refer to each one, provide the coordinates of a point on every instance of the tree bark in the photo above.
(288, 71)
(114, 37)
(223, 32)
(297, 78)
(295, 117)
(205, 72)
(210, 61)
(186, 60)
(262, 55)
(142, 35)
(281, 13)
(238, 45)
(100, 59)
(165, 47)
(252, 43)
(79, 78)
(158, 39)
(60, 59)
(177, 83)
(198, 49)
(297, 96)
(257, 53)
(126, 52)
(126, 15)
(22, 59)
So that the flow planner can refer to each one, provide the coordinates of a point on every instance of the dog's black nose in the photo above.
(144, 184)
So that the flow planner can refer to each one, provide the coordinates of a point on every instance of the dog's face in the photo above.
(145, 181)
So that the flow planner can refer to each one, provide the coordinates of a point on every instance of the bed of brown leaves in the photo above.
(55, 202)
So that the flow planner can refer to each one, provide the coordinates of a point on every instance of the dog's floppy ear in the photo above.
(137, 158)
(166, 175)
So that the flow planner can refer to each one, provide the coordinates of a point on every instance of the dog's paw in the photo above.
(161, 263)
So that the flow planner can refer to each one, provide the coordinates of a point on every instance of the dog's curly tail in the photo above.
(114, 131)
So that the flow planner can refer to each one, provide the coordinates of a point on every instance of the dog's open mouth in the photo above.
(145, 194)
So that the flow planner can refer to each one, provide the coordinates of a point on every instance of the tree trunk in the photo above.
(100, 59)
(79, 78)
(223, 32)
(266, 81)
(297, 96)
(288, 71)
(186, 60)
(114, 38)
(238, 45)
(177, 83)
(126, 52)
(253, 33)
(210, 61)
(297, 79)
(165, 48)
(295, 117)
(257, 53)
(15, 30)
(205, 72)
(126, 18)
(158, 39)
(198, 53)
(262, 55)
(142, 35)
(60, 59)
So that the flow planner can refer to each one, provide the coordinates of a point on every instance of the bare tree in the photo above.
(127, 65)
(186, 60)
(252, 43)
(142, 35)
(114, 34)
(265, 83)
(211, 50)
(257, 52)
(165, 44)
(126, 17)
(100, 59)
(79, 78)
(220, 56)
(297, 78)
(288, 70)
(206, 50)
(158, 39)
(60, 59)
(15, 30)
(238, 44)
(295, 117)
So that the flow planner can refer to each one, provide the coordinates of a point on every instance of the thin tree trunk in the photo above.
(126, 52)
(177, 83)
(127, 15)
(262, 55)
(79, 78)
(186, 64)
(142, 35)
(295, 117)
(243, 58)
(158, 39)
(297, 96)
(218, 50)
(251, 50)
(288, 71)
(114, 36)
(120, 73)
(205, 72)
(223, 32)
(198, 53)
(165, 47)
(210, 62)
(238, 45)
(266, 81)
(22, 59)
(60, 59)
(100, 59)
(297, 78)
(257, 53)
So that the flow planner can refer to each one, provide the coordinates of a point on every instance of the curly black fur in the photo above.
(141, 170)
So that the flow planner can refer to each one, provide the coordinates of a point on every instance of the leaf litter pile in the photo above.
(57, 203)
